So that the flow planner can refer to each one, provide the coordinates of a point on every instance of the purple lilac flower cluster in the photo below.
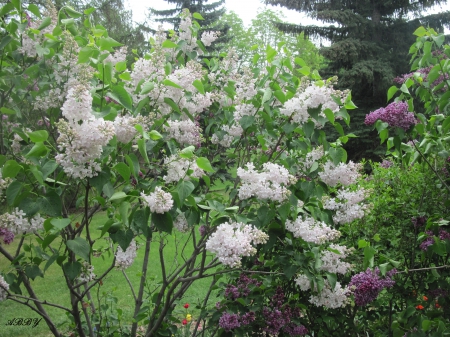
(229, 321)
(279, 318)
(367, 285)
(438, 292)
(418, 221)
(8, 236)
(242, 289)
(395, 114)
(443, 235)
(386, 163)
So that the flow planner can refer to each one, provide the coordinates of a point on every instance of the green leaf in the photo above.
(147, 87)
(33, 271)
(38, 150)
(267, 95)
(5, 41)
(421, 31)
(38, 136)
(13, 191)
(300, 62)
(68, 22)
(338, 155)
(140, 220)
(172, 104)
(120, 95)
(10, 169)
(199, 86)
(48, 168)
(163, 222)
(369, 254)
(204, 164)
(169, 83)
(123, 238)
(247, 121)
(391, 92)
(51, 260)
(108, 43)
(89, 10)
(72, 13)
(45, 23)
(143, 149)
(80, 247)
(184, 189)
(187, 152)
(123, 170)
(330, 115)
(7, 111)
(169, 44)
(133, 163)
(332, 279)
(118, 195)
(426, 325)
(198, 16)
(86, 53)
(72, 269)
(155, 135)
(60, 223)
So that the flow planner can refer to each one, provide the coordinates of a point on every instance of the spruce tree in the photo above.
(370, 40)
(211, 11)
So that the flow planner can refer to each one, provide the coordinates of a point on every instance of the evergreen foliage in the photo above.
(210, 11)
(370, 41)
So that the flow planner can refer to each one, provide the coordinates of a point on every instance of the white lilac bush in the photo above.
(236, 157)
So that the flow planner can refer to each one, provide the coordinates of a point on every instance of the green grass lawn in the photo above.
(52, 288)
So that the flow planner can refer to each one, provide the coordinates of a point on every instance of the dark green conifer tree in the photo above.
(370, 40)
(211, 11)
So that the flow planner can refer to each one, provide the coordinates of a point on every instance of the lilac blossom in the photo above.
(386, 163)
(229, 321)
(367, 285)
(395, 114)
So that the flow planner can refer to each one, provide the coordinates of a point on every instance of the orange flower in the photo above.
(425, 298)
(184, 321)
(420, 307)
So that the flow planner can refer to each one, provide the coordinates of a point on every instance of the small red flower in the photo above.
(425, 298)
(420, 307)
(437, 305)
(186, 305)
(184, 322)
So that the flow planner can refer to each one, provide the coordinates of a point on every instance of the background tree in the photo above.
(210, 11)
(263, 32)
(369, 44)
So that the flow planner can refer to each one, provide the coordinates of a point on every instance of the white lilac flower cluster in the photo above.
(312, 230)
(119, 55)
(311, 95)
(231, 241)
(125, 127)
(87, 273)
(17, 223)
(312, 157)
(4, 183)
(29, 43)
(226, 140)
(209, 37)
(345, 174)
(329, 298)
(4, 286)
(184, 132)
(270, 183)
(179, 168)
(125, 259)
(180, 223)
(347, 205)
(82, 136)
(333, 262)
(158, 201)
